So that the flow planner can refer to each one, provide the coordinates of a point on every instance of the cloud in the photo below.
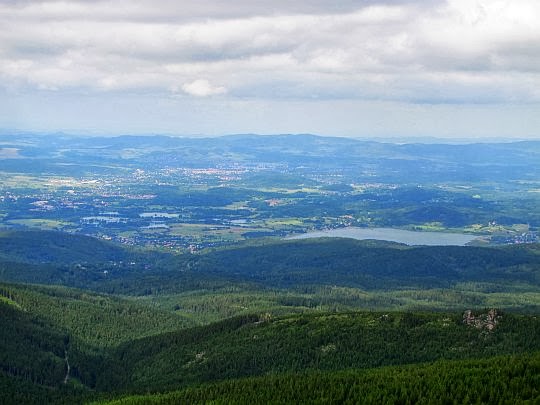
(202, 88)
(451, 51)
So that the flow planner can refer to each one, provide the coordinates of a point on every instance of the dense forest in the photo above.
(267, 321)
(505, 379)
(47, 353)
(61, 259)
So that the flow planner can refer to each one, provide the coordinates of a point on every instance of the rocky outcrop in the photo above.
(487, 321)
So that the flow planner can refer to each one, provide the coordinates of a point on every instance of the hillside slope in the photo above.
(372, 265)
(506, 379)
(46, 329)
(80, 261)
(258, 345)
(116, 346)
(34, 246)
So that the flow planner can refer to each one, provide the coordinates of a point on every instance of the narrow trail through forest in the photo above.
(68, 368)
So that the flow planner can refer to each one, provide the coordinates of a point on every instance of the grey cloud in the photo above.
(185, 11)
(393, 50)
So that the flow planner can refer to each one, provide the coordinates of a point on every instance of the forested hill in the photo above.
(59, 248)
(106, 346)
(60, 258)
(102, 266)
(372, 264)
(45, 329)
(442, 382)
(40, 339)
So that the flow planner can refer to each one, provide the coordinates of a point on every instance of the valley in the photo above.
(229, 358)
(284, 269)
(185, 194)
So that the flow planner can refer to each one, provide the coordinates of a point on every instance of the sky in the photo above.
(462, 69)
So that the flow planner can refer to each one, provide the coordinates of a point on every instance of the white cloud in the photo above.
(436, 51)
(202, 88)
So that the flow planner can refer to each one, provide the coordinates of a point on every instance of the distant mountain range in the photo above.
(366, 159)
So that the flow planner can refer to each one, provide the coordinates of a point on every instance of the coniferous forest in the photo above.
(279, 333)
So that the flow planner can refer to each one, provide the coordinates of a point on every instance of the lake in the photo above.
(393, 235)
